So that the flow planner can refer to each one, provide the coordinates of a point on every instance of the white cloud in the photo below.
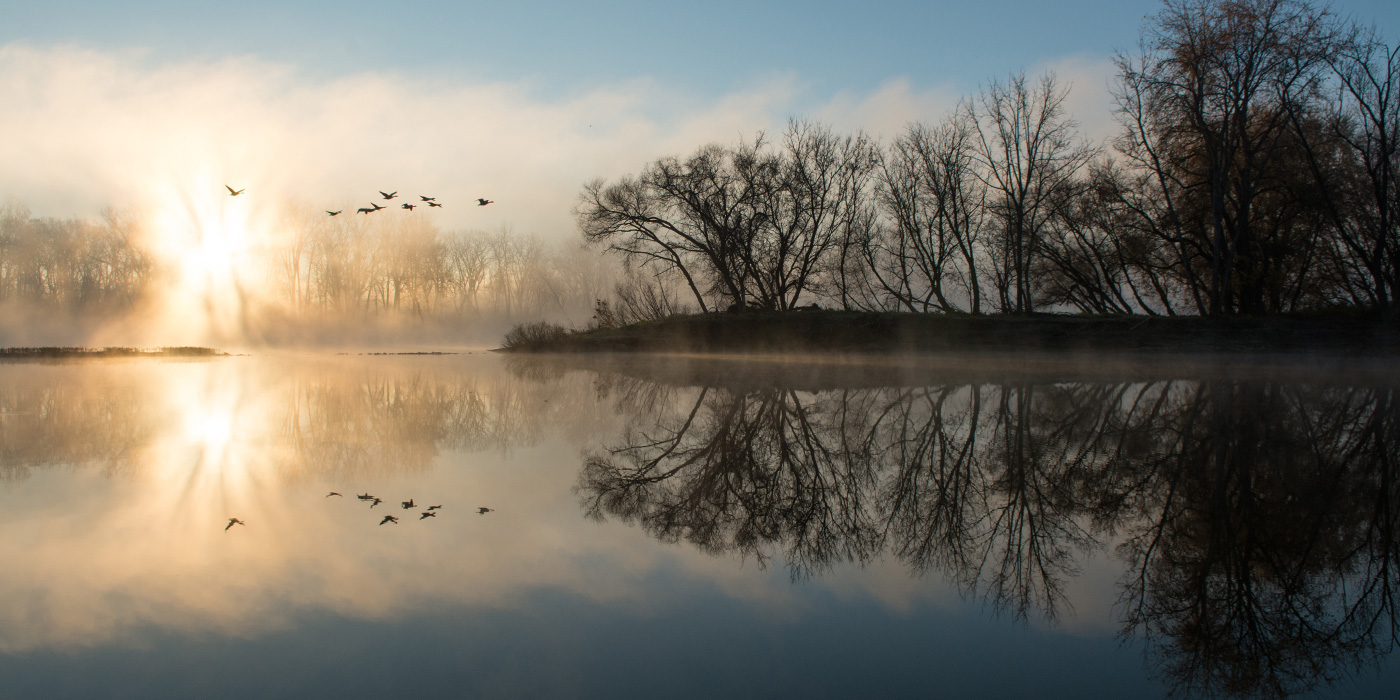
(88, 129)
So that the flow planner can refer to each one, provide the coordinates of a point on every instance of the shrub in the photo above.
(534, 333)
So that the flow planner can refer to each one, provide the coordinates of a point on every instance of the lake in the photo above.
(955, 526)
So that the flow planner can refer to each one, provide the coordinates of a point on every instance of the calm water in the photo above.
(665, 528)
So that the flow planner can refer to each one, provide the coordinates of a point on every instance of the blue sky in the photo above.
(326, 101)
(708, 47)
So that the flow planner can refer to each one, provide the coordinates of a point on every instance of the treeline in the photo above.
(347, 267)
(1254, 173)
(70, 264)
(321, 271)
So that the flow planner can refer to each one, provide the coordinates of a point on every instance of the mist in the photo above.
(139, 150)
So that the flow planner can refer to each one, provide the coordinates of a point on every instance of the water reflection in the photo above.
(121, 477)
(1253, 522)
(1256, 521)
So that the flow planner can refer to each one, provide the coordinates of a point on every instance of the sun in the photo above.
(204, 244)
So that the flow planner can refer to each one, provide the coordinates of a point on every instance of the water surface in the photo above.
(961, 527)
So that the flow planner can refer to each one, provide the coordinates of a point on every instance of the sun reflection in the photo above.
(209, 430)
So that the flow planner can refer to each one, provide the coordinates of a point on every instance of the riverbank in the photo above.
(899, 333)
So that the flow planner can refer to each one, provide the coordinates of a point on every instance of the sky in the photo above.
(326, 103)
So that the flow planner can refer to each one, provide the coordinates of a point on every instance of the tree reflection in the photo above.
(1258, 521)
(1266, 564)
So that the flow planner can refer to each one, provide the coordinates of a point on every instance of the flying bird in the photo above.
(484, 511)
(389, 519)
(428, 514)
(408, 206)
(234, 193)
(434, 204)
(364, 496)
(333, 493)
(409, 504)
(481, 202)
(333, 213)
(232, 522)
(377, 501)
(426, 199)
(433, 507)
(389, 195)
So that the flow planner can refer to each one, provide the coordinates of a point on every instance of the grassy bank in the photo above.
(858, 332)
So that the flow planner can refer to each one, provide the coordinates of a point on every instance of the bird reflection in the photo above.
(427, 514)
(389, 519)
(232, 522)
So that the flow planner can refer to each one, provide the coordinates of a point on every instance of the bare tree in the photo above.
(1207, 107)
(1027, 150)
(936, 206)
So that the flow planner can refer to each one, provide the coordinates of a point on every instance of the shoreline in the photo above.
(889, 333)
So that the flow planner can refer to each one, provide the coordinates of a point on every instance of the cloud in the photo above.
(89, 129)
(1090, 101)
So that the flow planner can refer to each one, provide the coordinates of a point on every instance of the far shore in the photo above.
(851, 332)
(81, 352)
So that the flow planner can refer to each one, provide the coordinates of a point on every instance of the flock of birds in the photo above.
(429, 512)
(374, 206)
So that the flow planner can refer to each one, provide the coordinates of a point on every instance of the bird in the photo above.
(408, 206)
(389, 519)
(484, 511)
(364, 496)
(363, 210)
(428, 514)
(481, 202)
(426, 199)
(232, 522)
(333, 493)
(433, 507)
(333, 213)
(377, 501)
(409, 504)
(389, 195)
(376, 206)
(434, 204)
(234, 193)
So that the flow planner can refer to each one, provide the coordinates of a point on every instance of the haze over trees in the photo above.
(325, 278)
(1253, 173)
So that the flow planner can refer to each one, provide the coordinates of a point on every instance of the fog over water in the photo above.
(1125, 528)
